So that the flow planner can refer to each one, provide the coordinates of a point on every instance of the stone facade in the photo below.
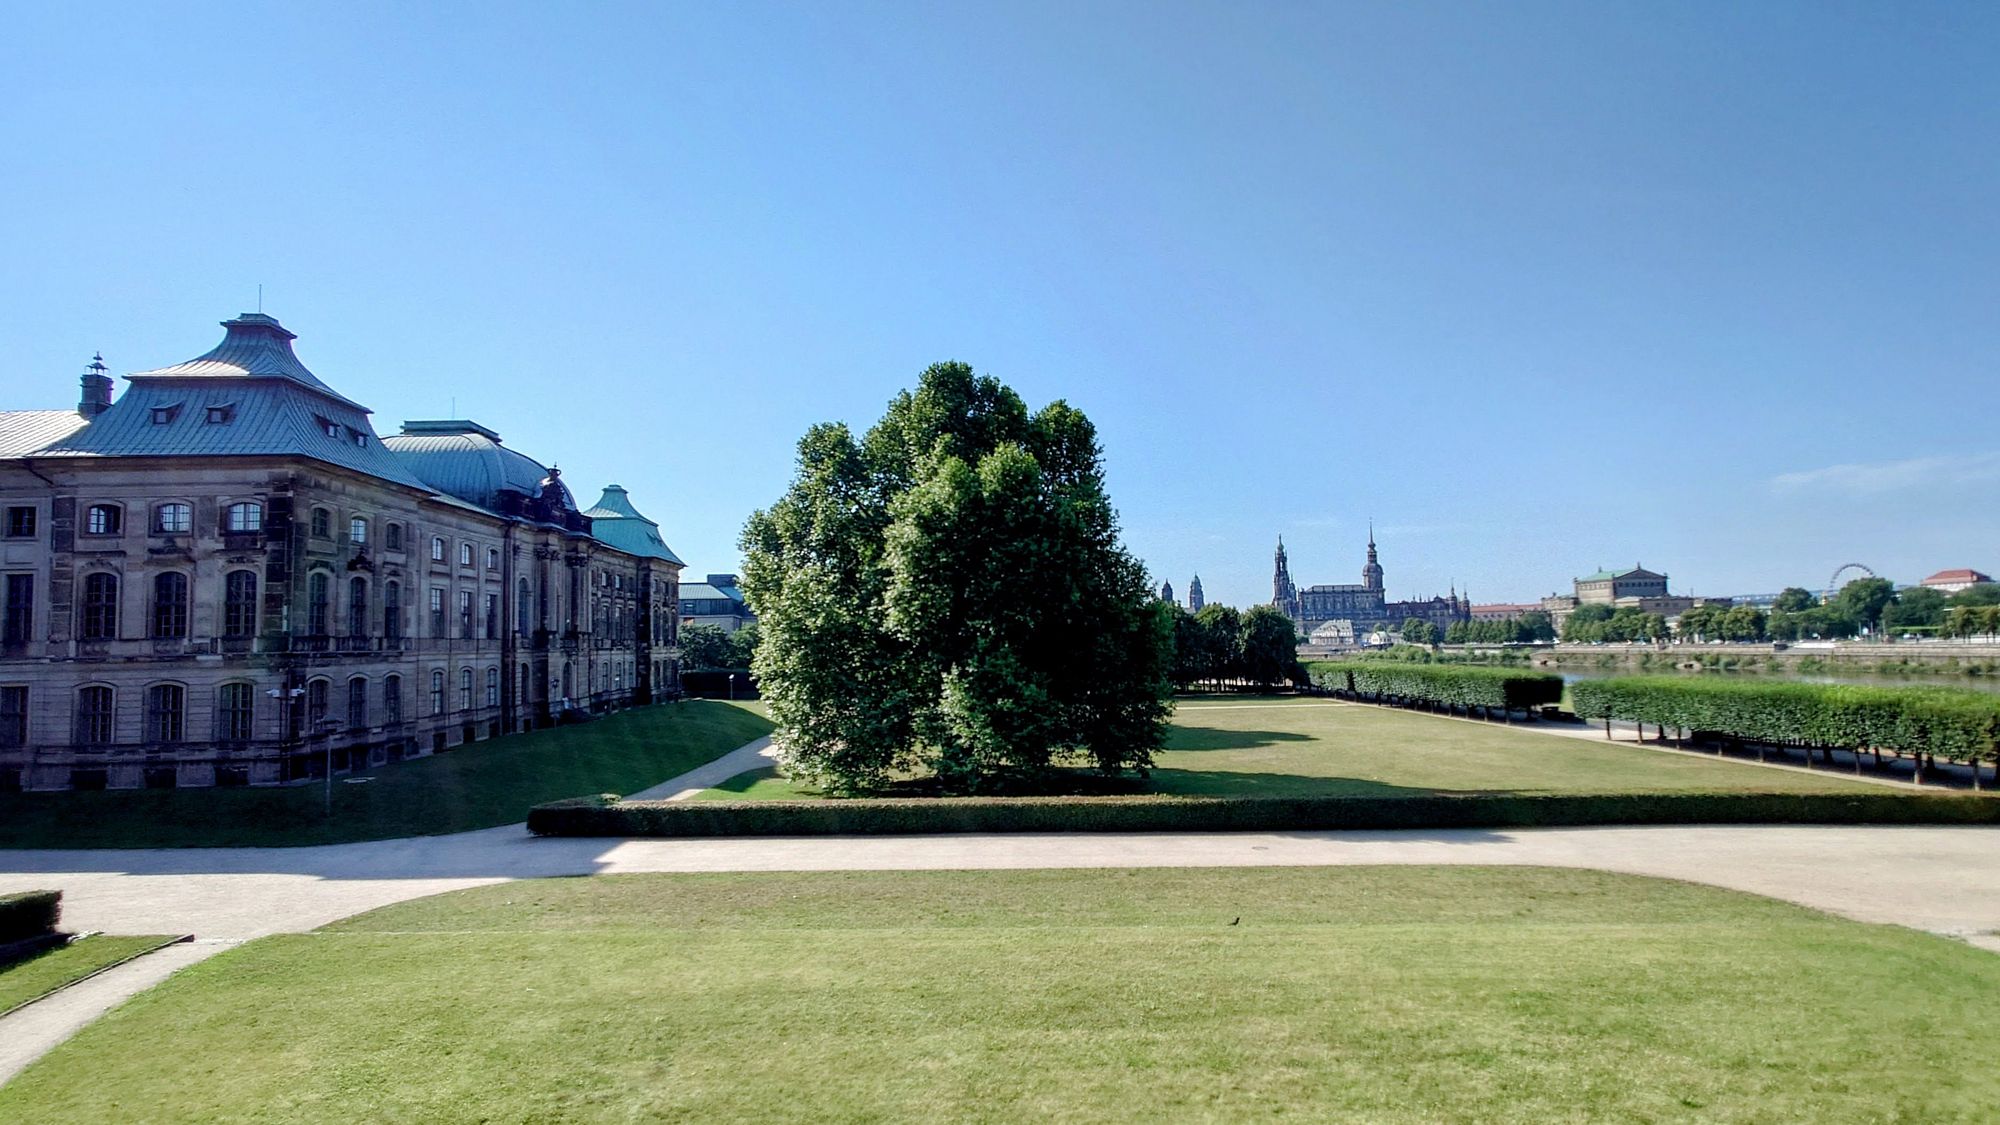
(254, 610)
(1364, 606)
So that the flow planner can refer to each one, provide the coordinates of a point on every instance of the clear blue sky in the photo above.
(1540, 287)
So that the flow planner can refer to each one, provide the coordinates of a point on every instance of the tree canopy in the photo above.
(948, 594)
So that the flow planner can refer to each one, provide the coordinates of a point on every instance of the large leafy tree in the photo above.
(1864, 599)
(948, 594)
(1270, 646)
(1795, 599)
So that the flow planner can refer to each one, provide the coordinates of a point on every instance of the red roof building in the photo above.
(1952, 581)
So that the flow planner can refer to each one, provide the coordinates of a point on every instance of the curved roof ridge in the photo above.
(256, 347)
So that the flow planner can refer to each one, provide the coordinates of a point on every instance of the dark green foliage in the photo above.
(1864, 599)
(1602, 623)
(948, 595)
(1417, 631)
(1957, 725)
(1971, 621)
(1981, 594)
(1913, 609)
(29, 914)
(1529, 627)
(1793, 599)
(705, 647)
(1442, 685)
(920, 816)
(1270, 647)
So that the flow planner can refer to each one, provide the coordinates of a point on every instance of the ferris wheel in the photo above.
(1833, 584)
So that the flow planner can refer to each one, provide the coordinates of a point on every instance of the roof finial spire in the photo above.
(260, 296)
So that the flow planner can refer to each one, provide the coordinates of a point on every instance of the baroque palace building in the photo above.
(1364, 605)
(225, 577)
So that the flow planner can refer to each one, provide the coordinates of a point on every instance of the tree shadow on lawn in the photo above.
(1236, 783)
(1218, 738)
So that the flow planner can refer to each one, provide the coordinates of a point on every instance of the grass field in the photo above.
(1380, 994)
(36, 977)
(475, 786)
(1298, 747)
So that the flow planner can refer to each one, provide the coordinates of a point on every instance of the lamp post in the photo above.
(288, 698)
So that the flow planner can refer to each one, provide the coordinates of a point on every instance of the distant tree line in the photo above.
(1220, 646)
(1526, 628)
(1871, 605)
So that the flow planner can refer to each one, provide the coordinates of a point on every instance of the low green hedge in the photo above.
(608, 816)
(1949, 723)
(1444, 685)
(29, 914)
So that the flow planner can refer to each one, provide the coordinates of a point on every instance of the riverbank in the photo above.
(1813, 658)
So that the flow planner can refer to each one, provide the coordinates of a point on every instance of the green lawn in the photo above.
(475, 786)
(36, 977)
(1309, 747)
(1382, 994)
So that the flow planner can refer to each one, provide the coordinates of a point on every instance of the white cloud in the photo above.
(1876, 478)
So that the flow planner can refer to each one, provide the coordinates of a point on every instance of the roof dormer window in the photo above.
(333, 429)
(221, 415)
(360, 439)
(165, 414)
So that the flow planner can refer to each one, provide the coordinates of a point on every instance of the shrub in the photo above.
(607, 816)
(1961, 726)
(1454, 685)
(29, 914)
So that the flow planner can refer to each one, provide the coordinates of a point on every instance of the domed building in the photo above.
(226, 577)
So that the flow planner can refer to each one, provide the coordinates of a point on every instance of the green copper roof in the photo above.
(616, 523)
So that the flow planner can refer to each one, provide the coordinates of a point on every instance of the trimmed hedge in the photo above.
(1443, 685)
(608, 816)
(29, 914)
(1954, 724)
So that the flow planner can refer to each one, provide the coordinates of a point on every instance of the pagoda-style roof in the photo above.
(616, 523)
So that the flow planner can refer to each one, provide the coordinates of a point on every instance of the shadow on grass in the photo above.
(1217, 738)
(1228, 783)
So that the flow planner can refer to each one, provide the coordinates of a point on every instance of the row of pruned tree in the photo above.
(1220, 647)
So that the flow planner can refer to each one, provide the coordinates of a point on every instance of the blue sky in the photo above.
(1540, 287)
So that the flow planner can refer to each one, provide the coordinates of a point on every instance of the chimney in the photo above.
(96, 389)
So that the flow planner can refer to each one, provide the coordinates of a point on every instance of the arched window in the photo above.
(315, 704)
(104, 519)
(437, 692)
(94, 716)
(524, 607)
(465, 689)
(166, 713)
(357, 703)
(357, 607)
(493, 558)
(357, 531)
(235, 712)
(392, 699)
(392, 610)
(493, 687)
(437, 549)
(100, 607)
(322, 523)
(244, 517)
(465, 554)
(170, 604)
(173, 519)
(392, 536)
(318, 592)
(239, 604)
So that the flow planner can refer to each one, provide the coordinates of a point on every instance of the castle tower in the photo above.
(96, 397)
(1284, 595)
(1371, 574)
(1167, 592)
(1195, 600)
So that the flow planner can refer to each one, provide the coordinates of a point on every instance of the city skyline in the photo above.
(1561, 287)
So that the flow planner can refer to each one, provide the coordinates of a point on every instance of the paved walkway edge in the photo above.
(97, 972)
(35, 1029)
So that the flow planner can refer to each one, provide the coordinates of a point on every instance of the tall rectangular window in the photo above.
(319, 587)
(437, 692)
(315, 704)
(392, 699)
(93, 716)
(465, 615)
(100, 607)
(239, 604)
(170, 604)
(166, 713)
(437, 611)
(235, 712)
(18, 627)
(14, 716)
(392, 610)
(357, 607)
(357, 704)
(492, 616)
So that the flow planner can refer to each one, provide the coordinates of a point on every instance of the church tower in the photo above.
(1284, 595)
(1371, 575)
(1195, 600)
(1167, 592)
